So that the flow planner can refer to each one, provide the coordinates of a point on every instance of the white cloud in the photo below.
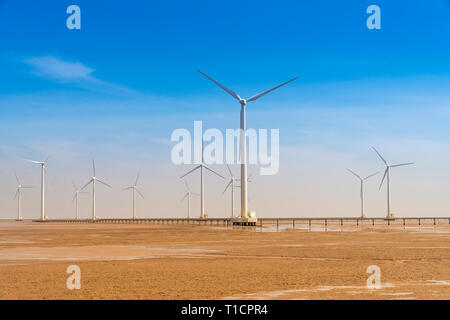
(71, 72)
(58, 69)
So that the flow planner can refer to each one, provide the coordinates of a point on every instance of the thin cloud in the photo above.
(56, 69)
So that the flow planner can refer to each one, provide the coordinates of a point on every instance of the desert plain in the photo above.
(159, 261)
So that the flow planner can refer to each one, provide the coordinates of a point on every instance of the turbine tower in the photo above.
(188, 196)
(18, 196)
(387, 175)
(43, 172)
(135, 189)
(93, 180)
(75, 198)
(362, 189)
(243, 146)
(202, 188)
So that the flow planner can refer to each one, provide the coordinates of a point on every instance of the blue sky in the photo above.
(122, 83)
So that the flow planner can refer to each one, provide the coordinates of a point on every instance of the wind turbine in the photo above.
(43, 172)
(387, 175)
(75, 198)
(243, 142)
(202, 189)
(93, 180)
(188, 196)
(18, 196)
(362, 188)
(231, 183)
(135, 189)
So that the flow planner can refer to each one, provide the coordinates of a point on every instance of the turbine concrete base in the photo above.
(244, 221)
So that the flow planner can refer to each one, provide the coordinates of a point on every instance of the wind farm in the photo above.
(212, 238)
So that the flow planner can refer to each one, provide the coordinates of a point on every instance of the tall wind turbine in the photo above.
(387, 175)
(43, 171)
(202, 188)
(188, 196)
(243, 142)
(18, 196)
(135, 189)
(362, 188)
(93, 180)
(75, 198)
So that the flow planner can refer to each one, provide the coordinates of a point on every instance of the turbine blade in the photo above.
(87, 184)
(214, 172)
(231, 173)
(137, 178)
(93, 166)
(402, 164)
(32, 161)
(28, 187)
(104, 183)
(357, 175)
(384, 176)
(127, 188)
(270, 90)
(140, 193)
(74, 197)
(17, 179)
(381, 157)
(230, 92)
(17, 192)
(184, 197)
(184, 175)
(370, 176)
(46, 159)
(229, 184)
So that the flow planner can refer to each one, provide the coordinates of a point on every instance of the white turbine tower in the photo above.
(387, 176)
(362, 189)
(18, 196)
(75, 198)
(243, 147)
(43, 172)
(202, 189)
(188, 196)
(93, 180)
(135, 189)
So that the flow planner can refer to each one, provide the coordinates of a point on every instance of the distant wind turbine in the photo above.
(135, 189)
(362, 188)
(43, 172)
(93, 180)
(231, 184)
(18, 196)
(387, 175)
(243, 143)
(188, 196)
(202, 189)
(75, 198)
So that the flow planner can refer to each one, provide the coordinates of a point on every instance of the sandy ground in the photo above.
(202, 262)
